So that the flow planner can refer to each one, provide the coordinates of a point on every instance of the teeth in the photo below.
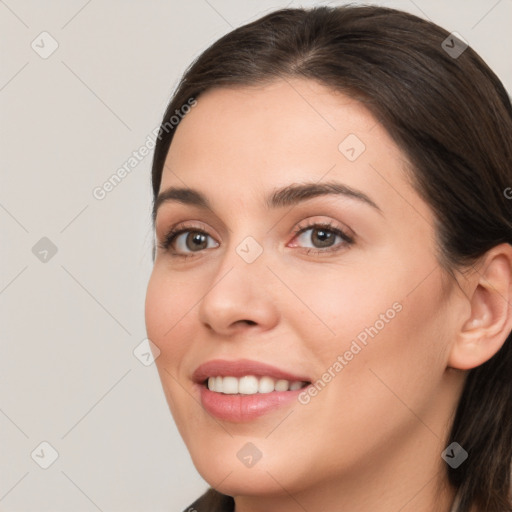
(282, 385)
(266, 385)
(250, 385)
(295, 385)
(247, 385)
(229, 385)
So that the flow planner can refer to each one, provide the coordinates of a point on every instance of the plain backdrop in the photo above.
(74, 268)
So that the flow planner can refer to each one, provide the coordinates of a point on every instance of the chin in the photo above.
(242, 482)
(224, 468)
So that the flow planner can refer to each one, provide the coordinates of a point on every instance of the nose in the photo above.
(240, 296)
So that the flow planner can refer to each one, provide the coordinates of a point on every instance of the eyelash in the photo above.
(171, 236)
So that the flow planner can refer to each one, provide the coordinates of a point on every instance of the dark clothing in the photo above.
(212, 501)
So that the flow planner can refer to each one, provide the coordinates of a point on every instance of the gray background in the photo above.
(70, 323)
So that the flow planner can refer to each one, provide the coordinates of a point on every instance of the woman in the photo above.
(332, 284)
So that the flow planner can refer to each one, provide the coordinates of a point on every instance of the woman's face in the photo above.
(362, 316)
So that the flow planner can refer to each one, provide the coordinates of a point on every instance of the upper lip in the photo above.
(240, 368)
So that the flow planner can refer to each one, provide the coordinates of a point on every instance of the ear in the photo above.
(489, 290)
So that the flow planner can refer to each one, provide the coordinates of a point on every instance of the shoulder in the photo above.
(212, 501)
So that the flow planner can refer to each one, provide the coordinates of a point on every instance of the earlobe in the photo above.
(489, 290)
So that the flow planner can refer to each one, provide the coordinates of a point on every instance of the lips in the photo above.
(240, 408)
(242, 367)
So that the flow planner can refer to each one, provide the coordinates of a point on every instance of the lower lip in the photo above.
(243, 408)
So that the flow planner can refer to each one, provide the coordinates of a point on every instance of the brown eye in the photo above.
(322, 237)
(197, 241)
(186, 241)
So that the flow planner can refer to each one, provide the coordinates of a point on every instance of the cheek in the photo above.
(390, 344)
(168, 311)
(342, 305)
(158, 308)
(371, 341)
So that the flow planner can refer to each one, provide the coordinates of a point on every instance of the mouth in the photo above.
(242, 390)
(251, 385)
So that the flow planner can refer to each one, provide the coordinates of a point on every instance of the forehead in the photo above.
(286, 121)
(239, 143)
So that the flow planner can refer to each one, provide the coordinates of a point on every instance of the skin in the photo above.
(370, 440)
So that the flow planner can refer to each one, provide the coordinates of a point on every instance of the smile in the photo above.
(243, 390)
(251, 385)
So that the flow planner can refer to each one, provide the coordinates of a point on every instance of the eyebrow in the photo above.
(289, 195)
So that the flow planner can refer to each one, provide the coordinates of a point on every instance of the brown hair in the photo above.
(452, 118)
